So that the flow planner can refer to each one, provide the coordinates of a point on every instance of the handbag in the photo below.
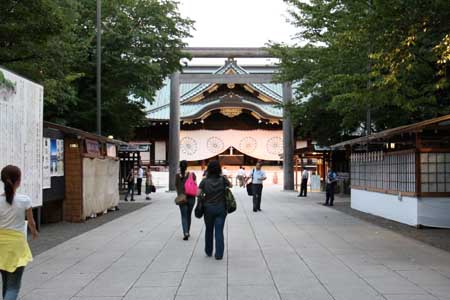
(152, 188)
(249, 186)
(199, 208)
(230, 201)
(190, 187)
(181, 199)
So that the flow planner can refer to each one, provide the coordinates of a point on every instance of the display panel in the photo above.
(21, 142)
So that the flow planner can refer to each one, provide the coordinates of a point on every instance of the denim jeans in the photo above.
(215, 215)
(130, 190)
(186, 214)
(257, 193)
(11, 283)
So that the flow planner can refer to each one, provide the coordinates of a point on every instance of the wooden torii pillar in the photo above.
(174, 122)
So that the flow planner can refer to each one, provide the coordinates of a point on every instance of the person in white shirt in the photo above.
(257, 176)
(15, 253)
(240, 176)
(303, 187)
(139, 180)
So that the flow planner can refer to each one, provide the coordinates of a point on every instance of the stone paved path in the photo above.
(294, 249)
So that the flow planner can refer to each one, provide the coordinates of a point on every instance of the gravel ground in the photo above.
(439, 238)
(54, 234)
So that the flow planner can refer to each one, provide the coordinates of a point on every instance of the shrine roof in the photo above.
(192, 109)
(159, 109)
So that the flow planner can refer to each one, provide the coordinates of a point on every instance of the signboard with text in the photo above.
(21, 128)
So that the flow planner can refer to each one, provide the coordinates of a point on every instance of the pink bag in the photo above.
(190, 187)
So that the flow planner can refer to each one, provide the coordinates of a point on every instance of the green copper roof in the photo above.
(159, 109)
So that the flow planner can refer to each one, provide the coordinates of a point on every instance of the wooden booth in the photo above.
(90, 172)
(403, 174)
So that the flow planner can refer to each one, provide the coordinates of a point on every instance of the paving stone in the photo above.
(151, 293)
(253, 292)
(293, 249)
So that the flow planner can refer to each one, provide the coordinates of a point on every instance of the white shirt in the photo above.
(224, 172)
(13, 216)
(257, 176)
(141, 173)
(305, 174)
(240, 172)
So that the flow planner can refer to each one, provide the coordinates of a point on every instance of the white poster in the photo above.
(21, 121)
(46, 179)
(160, 150)
(111, 150)
(60, 150)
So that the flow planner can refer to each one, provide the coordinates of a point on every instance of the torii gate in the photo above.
(174, 122)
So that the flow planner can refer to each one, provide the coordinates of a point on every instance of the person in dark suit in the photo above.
(304, 185)
(331, 181)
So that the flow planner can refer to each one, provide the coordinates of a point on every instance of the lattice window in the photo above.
(435, 172)
(376, 170)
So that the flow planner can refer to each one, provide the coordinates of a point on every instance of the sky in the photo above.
(237, 23)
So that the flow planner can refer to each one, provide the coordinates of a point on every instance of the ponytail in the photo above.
(10, 175)
(183, 167)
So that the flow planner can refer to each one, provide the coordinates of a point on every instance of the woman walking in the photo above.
(187, 205)
(130, 182)
(213, 188)
(15, 253)
(149, 187)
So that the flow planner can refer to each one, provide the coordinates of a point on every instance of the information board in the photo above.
(21, 142)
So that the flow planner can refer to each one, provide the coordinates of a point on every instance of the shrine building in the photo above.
(229, 112)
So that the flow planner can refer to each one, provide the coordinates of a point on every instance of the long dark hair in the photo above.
(214, 169)
(183, 167)
(10, 176)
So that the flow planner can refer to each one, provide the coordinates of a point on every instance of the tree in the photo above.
(142, 44)
(36, 41)
(359, 55)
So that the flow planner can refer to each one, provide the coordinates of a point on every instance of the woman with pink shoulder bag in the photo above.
(186, 191)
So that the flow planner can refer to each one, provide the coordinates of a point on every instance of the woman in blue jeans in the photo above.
(186, 208)
(213, 187)
(15, 253)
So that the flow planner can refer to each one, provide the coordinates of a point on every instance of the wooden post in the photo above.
(296, 173)
(418, 169)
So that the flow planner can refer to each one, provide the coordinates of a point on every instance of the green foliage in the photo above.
(54, 43)
(5, 83)
(391, 57)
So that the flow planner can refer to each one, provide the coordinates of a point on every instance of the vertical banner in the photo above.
(60, 156)
(46, 176)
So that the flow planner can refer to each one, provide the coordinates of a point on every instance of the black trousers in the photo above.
(303, 187)
(139, 186)
(257, 193)
(331, 188)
